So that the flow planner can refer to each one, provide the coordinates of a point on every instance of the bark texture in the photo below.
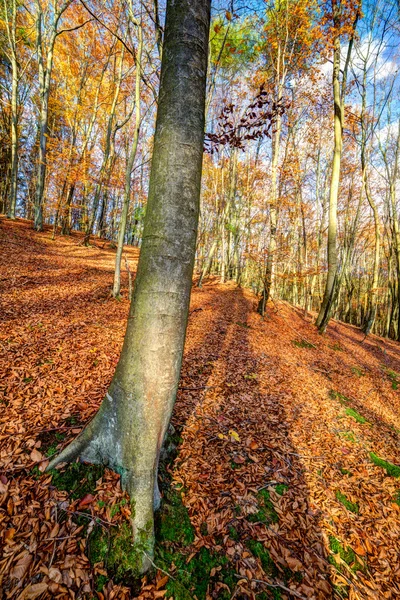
(339, 94)
(128, 431)
(129, 168)
(326, 306)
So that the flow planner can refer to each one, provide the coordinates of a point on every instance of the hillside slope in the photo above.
(280, 437)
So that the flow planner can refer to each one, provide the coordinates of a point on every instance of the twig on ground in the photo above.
(200, 387)
(158, 568)
(28, 433)
(275, 585)
(91, 517)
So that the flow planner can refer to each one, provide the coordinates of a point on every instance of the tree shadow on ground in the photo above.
(244, 480)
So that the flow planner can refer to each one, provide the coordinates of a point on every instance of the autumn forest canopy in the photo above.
(200, 275)
(79, 88)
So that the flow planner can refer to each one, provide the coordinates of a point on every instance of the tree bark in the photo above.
(128, 431)
(11, 36)
(45, 62)
(129, 168)
(339, 94)
(326, 306)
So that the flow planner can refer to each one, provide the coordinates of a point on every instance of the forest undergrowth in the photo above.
(281, 476)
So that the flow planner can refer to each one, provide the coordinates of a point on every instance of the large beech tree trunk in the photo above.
(128, 431)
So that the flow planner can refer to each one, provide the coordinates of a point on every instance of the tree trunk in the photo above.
(128, 431)
(373, 292)
(129, 168)
(326, 306)
(14, 141)
(339, 94)
(208, 263)
(273, 219)
(11, 30)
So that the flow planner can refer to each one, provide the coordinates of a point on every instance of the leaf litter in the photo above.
(278, 441)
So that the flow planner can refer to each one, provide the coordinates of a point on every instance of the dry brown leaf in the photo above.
(33, 591)
(20, 568)
(35, 455)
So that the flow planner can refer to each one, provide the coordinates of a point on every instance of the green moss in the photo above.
(393, 377)
(191, 580)
(390, 468)
(50, 441)
(350, 412)
(258, 550)
(267, 512)
(72, 420)
(116, 549)
(36, 474)
(117, 507)
(345, 472)
(51, 451)
(273, 593)
(100, 582)
(357, 371)
(235, 466)
(281, 488)
(204, 528)
(341, 591)
(233, 533)
(348, 436)
(351, 506)
(243, 325)
(98, 545)
(337, 347)
(78, 479)
(338, 396)
(173, 522)
(302, 344)
(347, 554)
(396, 497)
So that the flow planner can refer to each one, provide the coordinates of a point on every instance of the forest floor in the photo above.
(283, 476)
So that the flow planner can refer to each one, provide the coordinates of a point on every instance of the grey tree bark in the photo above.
(339, 94)
(109, 150)
(130, 162)
(11, 8)
(45, 42)
(128, 431)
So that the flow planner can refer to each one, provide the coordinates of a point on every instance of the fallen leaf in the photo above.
(21, 567)
(33, 591)
(86, 500)
(35, 455)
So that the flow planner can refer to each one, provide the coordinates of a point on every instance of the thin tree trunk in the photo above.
(273, 220)
(129, 168)
(14, 142)
(10, 23)
(339, 93)
(373, 292)
(326, 307)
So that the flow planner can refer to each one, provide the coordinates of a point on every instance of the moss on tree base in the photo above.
(121, 555)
